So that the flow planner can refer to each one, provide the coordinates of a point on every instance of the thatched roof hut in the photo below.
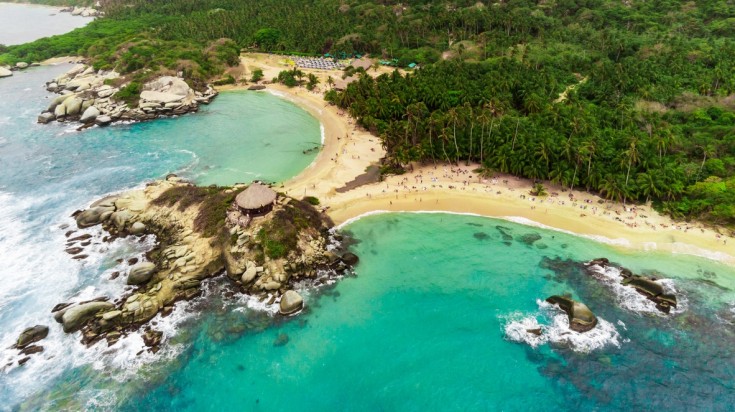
(364, 63)
(341, 84)
(256, 199)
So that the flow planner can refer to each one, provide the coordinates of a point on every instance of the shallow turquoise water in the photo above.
(48, 171)
(427, 323)
(422, 326)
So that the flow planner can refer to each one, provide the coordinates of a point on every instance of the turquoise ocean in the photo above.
(434, 317)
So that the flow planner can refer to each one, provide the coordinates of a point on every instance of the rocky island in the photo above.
(263, 241)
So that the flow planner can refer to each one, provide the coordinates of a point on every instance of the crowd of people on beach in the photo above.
(424, 180)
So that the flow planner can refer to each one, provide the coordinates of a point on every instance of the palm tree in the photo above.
(483, 118)
(632, 155)
(648, 185)
(454, 117)
(468, 111)
(611, 188)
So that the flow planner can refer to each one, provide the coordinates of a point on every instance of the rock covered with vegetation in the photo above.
(200, 234)
(101, 97)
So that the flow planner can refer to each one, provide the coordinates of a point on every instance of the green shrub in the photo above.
(129, 94)
(257, 76)
(311, 200)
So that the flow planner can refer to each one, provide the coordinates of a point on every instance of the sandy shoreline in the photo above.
(349, 150)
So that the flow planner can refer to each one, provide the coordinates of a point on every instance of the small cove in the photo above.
(48, 171)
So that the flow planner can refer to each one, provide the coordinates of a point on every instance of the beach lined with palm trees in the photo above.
(457, 187)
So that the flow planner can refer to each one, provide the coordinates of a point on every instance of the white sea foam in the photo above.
(555, 330)
(628, 298)
(687, 249)
(37, 273)
(248, 302)
(195, 160)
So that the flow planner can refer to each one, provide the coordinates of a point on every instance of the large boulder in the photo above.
(21, 65)
(73, 106)
(581, 318)
(120, 218)
(75, 317)
(57, 101)
(141, 273)
(350, 259)
(5, 72)
(31, 335)
(89, 115)
(93, 216)
(46, 117)
(166, 89)
(291, 302)
(249, 275)
(150, 96)
(103, 120)
(60, 111)
(137, 228)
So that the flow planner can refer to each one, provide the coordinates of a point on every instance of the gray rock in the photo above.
(291, 302)
(57, 101)
(249, 275)
(103, 120)
(5, 72)
(46, 117)
(60, 111)
(89, 115)
(141, 273)
(75, 317)
(581, 318)
(31, 335)
(111, 314)
(137, 228)
(102, 93)
(73, 106)
(21, 65)
(92, 216)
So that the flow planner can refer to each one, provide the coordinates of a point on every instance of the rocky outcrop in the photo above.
(83, 11)
(187, 254)
(31, 335)
(4, 72)
(88, 96)
(645, 285)
(581, 318)
(291, 302)
(76, 316)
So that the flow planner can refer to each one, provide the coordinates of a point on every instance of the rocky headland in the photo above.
(91, 97)
(203, 232)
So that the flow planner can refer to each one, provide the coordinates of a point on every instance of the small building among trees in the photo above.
(256, 200)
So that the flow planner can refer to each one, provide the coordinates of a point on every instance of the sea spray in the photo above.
(524, 328)
(630, 299)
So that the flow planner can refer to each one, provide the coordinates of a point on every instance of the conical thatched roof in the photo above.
(255, 197)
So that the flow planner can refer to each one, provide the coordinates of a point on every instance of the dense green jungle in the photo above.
(633, 100)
